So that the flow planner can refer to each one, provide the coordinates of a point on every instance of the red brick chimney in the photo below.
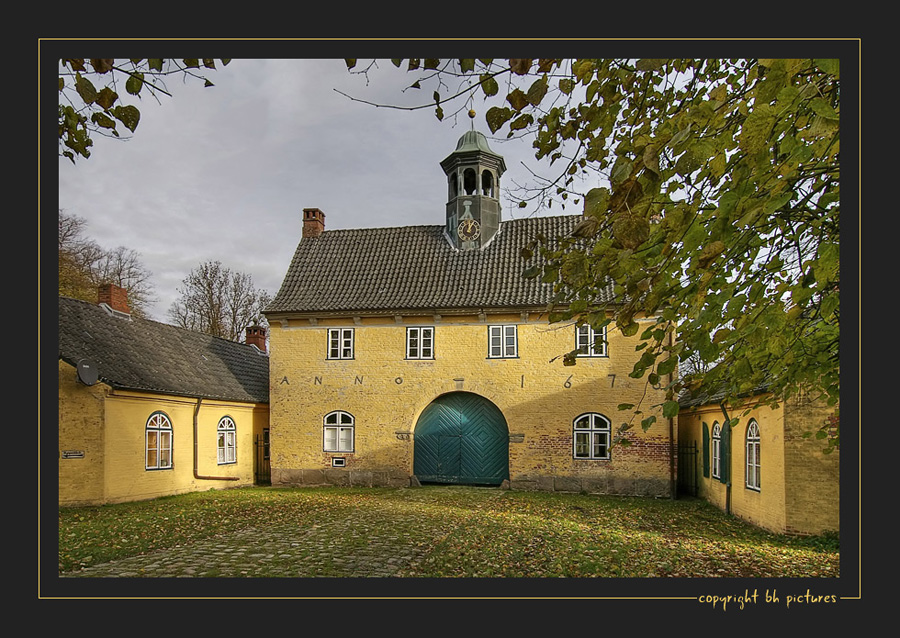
(313, 222)
(256, 336)
(114, 297)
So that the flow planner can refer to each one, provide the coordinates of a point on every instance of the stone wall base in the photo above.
(338, 477)
(611, 485)
(395, 478)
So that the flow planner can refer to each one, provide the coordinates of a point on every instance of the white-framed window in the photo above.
(338, 436)
(158, 436)
(503, 342)
(716, 450)
(590, 342)
(340, 343)
(753, 465)
(420, 343)
(590, 437)
(226, 441)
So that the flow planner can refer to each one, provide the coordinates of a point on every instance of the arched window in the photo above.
(487, 183)
(226, 441)
(717, 450)
(158, 438)
(753, 455)
(338, 435)
(590, 437)
(469, 176)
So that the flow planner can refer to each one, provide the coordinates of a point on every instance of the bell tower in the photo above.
(473, 181)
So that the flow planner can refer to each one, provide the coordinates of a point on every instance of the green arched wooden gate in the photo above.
(461, 438)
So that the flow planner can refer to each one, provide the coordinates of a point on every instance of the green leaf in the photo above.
(102, 65)
(757, 128)
(670, 409)
(489, 85)
(85, 89)
(523, 121)
(467, 65)
(583, 70)
(128, 115)
(650, 64)
(350, 62)
(596, 202)
(520, 66)
(497, 116)
(537, 91)
(134, 83)
(103, 121)
(830, 66)
(517, 99)
(823, 109)
(667, 366)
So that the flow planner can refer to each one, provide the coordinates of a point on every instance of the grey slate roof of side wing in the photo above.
(140, 354)
(688, 400)
(415, 268)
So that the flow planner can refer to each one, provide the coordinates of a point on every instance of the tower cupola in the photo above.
(473, 201)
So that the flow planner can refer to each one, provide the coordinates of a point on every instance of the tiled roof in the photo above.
(140, 354)
(415, 268)
(688, 400)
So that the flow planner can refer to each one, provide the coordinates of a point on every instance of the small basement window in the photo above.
(338, 462)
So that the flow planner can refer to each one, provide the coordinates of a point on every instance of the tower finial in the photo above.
(472, 118)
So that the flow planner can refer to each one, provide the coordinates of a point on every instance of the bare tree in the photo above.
(84, 265)
(218, 301)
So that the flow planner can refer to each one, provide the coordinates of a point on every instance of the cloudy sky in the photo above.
(223, 173)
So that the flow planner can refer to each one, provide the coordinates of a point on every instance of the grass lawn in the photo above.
(461, 532)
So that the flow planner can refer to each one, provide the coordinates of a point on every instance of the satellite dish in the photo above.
(87, 371)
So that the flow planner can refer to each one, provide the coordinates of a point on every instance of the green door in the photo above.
(461, 438)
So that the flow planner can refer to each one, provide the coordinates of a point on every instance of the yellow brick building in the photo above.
(147, 409)
(421, 354)
(767, 469)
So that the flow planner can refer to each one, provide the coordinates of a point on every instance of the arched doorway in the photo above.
(461, 438)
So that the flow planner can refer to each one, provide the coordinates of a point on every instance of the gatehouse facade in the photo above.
(420, 354)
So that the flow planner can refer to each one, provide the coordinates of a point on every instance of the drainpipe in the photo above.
(672, 445)
(196, 451)
(730, 466)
